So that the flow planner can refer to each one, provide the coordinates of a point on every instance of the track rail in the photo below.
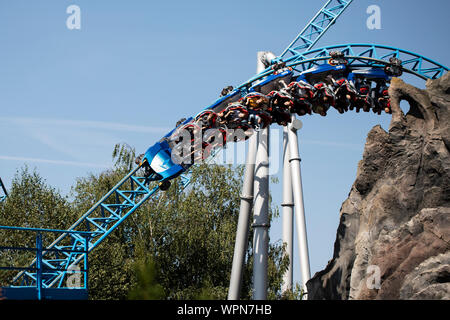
(368, 56)
(316, 28)
(414, 63)
(103, 218)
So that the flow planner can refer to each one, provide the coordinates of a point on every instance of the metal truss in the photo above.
(49, 263)
(103, 218)
(361, 56)
(371, 55)
(92, 228)
(316, 28)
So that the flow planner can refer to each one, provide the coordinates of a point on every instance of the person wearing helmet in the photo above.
(234, 116)
(255, 101)
(382, 99)
(282, 104)
(323, 98)
(345, 94)
(258, 109)
(303, 94)
(363, 99)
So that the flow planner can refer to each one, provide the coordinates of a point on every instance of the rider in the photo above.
(323, 98)
(382, 99)
(345, 94)
(363, 98)
(226, 91)
(258, 106)
(256, 101)
(394, 68)
(303, 94)
(282, 104)
(234, 116)
(206, 119)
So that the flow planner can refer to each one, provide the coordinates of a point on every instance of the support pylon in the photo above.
(294, 160)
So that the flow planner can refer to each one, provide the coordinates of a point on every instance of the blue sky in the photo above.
(136, 67)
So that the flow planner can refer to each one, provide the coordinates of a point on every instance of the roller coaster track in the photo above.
(134, 189)
(372, 55)
(99, 221)
(316, 28)
(361, 56)
(106, 215)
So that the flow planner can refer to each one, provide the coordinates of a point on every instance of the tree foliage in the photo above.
(178, 245)
(33, 203)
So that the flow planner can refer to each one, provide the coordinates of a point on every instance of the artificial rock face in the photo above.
(393, 239)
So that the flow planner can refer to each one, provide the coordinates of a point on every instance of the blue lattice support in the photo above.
(361, 56)
(316, 28)
(98, 222)
(46, 265)
(372, 55)
(103, 218)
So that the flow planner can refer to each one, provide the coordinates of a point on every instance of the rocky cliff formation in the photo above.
(393, 239)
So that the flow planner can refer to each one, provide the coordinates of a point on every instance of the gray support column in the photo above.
(288, 213)
(261, 217)
(261, 208)
(298, 200)
(241, 243)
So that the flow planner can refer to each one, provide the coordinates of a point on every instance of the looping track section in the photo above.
(363, 56)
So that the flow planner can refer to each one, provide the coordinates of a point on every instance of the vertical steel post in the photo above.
(86, 264)
(241, 242)
(39, 265)
(288, 213)
(298, 199)
(261, 209)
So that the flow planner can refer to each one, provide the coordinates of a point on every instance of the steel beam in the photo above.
(241, 242)
(298, 200)
(261, 208)
(288, 213)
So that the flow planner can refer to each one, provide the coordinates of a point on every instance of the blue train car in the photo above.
(159, 158)
(320, 72)
(373, 74)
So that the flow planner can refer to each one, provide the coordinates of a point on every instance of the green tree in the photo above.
(146, 287)
(189, 236)
(111, 264)
(178, 245)
(31, 203)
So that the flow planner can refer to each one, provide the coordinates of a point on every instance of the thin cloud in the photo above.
(57, 162)
(113, 126)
